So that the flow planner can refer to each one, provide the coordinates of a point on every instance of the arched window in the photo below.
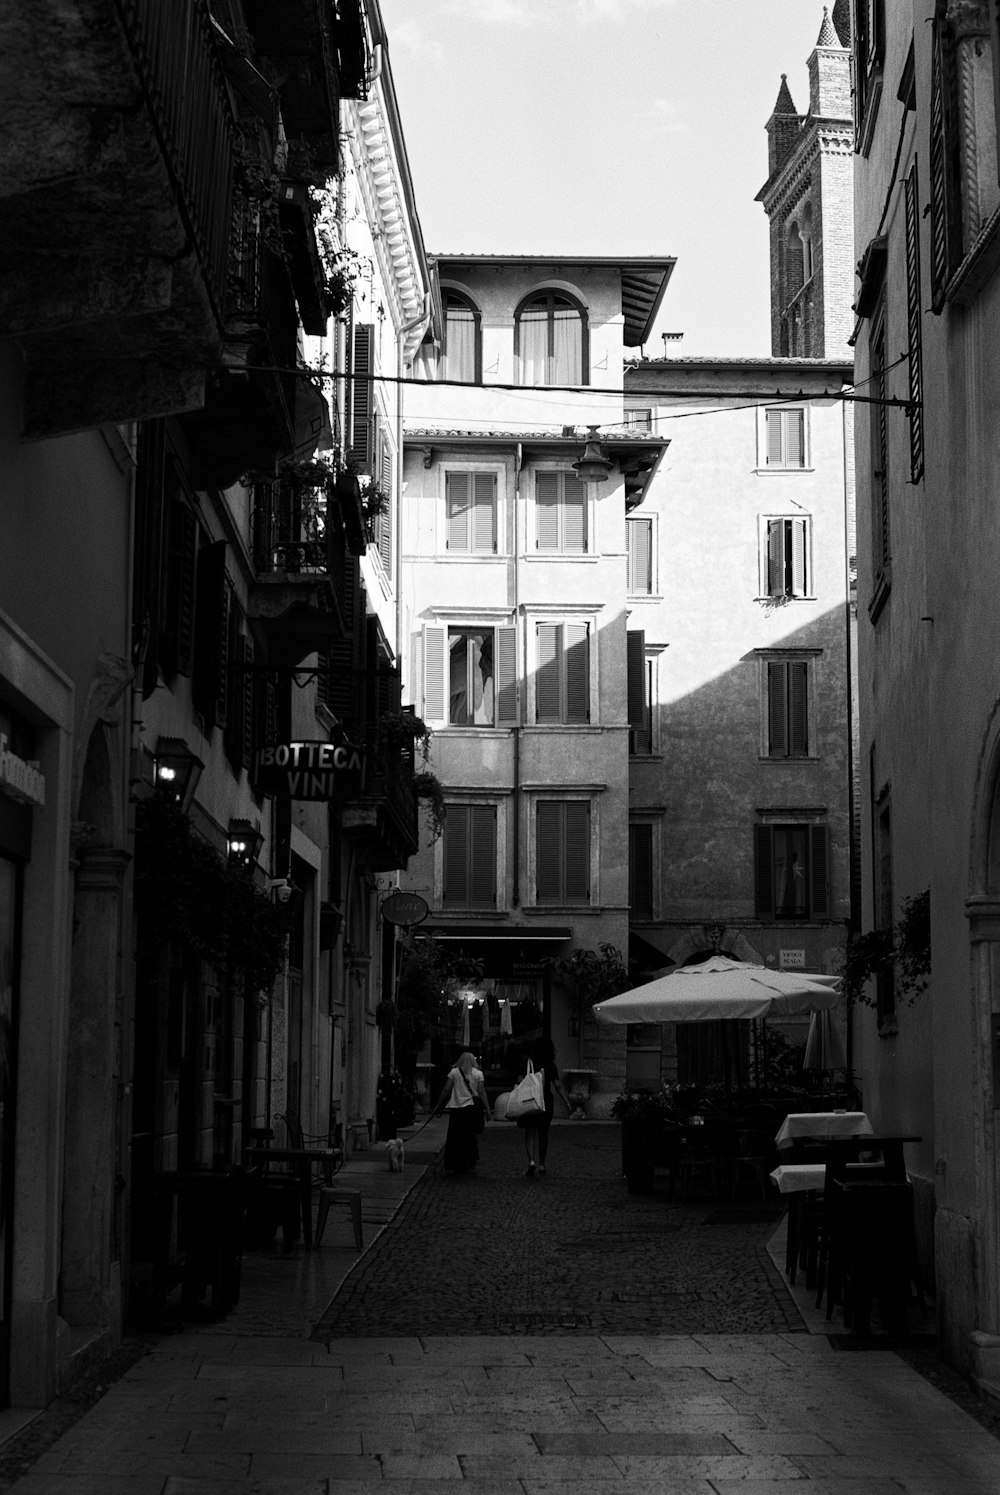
(550, 340)
(463, 347)
(808, 260)
(795, 266)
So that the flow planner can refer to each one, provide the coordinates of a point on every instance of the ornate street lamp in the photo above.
(176, 770)
(243, 843)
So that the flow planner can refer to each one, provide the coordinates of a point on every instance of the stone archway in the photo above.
(983, 912)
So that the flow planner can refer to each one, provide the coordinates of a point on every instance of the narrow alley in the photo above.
(522, 1336)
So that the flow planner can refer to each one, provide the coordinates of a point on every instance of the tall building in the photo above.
(198, 797)
(927, 303)
(808, 198)
(514, 593)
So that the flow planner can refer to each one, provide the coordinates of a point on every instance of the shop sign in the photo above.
(309, 770)
(792, 960)
(19, 778)
(404, 908)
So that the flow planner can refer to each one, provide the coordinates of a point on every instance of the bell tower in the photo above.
(809, 200)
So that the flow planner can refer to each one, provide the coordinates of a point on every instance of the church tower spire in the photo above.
(808, 198)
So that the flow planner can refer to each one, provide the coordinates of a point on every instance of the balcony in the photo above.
(115, 193)
(382, 822)
(295, 595)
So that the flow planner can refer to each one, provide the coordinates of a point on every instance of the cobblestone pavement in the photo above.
(568, 1253)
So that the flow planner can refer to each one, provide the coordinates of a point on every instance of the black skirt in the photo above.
(461, 1148)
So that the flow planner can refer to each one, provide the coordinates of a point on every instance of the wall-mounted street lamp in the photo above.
(243, 843)
(176, 770)
(593, 466)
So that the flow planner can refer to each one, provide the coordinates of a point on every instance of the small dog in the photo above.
(397, 1155)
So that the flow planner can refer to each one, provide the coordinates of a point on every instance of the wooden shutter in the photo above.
(635, 652)
(798, 708)
(777, 710)
(344, 653)
(574, 514)
(456, 856)
(795, 541)
(483, 856)
(178, 642)
(775, 557)
(914, 328)
(247, 700)
(640, 548)
(577, 671)
(547, 693)
(879, 443)
(774, 449)
(548, 852)
(819, 875)
(385, 518)
(434, 658)
(576, 816)
(547, 511)
(361, 452)
(763, 871)
(794, 423)
(506, 675)
(945, 166)
(484, 511)
(228, 633)
(456, 508)
(640, 871)
(211, 620)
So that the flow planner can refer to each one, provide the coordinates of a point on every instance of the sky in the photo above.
(606, 127)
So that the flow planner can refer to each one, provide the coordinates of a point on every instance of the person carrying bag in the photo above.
(532, 1102)
(528, 1096)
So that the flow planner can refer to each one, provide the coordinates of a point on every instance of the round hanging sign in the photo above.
(404, 908)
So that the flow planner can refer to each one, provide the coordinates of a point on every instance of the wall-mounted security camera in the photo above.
(280, 889)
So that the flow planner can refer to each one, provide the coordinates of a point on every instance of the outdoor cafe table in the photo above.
(821, 1126)
(302, 1160)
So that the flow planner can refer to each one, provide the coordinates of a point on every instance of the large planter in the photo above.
(644, 1145)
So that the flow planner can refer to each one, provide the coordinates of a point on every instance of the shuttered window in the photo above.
(786, 438)
(869, 54)
(362, 428)
(914, 327)
(635, 653)
(640, 556)
(562, 678)
(787, 568)
(879, 441)
(640, 871)
(788, 708)
(470, 502)
(562, 859)
(945, 166)
(470, 856)
(210, 677)
(791, 873)
(177, 634)
(479, 668)
(560, 513)
(383, 520)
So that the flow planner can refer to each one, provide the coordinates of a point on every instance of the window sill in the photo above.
(880, 596)
(644, 596)
(560, 555)
(471, 555)
(774, 470)
(786, 762)
(781, 600)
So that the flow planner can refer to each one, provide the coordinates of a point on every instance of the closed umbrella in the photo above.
(721, 988)
(824, 1046)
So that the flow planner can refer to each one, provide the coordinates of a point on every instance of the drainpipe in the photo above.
(516, 828)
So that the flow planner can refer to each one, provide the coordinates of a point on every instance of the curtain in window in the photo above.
(791, 871)
(460, 342)
(471, 678)
(567, 346)
(533, 344)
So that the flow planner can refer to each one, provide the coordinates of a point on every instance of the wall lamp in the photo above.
(243, 842)
(176, 770)
(593, 466)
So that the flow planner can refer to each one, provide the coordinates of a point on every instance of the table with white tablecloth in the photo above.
(799, 1178)
(821, 1126)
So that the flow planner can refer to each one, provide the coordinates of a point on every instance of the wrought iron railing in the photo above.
(290, 529)
(174, 49)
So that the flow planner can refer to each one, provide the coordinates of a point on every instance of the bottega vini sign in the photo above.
(309, 770)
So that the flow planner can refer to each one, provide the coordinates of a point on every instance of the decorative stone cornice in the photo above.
(968, 18)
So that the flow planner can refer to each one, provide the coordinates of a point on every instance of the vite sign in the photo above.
(310, 770)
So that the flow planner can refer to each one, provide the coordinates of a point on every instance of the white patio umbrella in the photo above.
(721, 988)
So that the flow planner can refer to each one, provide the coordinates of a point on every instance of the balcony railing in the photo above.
(175, 54)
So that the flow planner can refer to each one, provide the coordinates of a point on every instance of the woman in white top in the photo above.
(464, 1098)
